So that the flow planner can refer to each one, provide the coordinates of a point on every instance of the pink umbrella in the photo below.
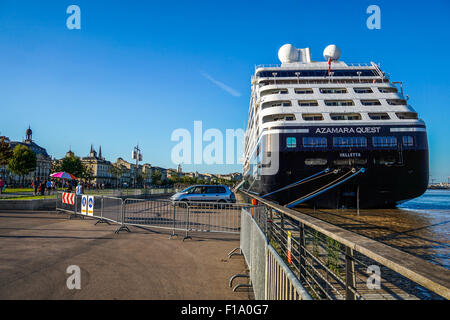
(63, 175)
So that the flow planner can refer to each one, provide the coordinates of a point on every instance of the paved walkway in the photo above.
(36, 249)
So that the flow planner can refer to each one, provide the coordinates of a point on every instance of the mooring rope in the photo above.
(323, 187)
(301, 182)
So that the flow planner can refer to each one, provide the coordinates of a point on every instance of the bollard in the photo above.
(254, 203)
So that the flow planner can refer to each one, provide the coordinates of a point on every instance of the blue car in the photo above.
(206, 193)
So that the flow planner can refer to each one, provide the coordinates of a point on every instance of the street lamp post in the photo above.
(137, 155)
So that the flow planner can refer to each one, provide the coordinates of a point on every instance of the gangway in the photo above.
(317, 175)
(346, 176)
(236, 188)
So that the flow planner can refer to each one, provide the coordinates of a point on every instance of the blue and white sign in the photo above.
(91, 206)
(84, 200)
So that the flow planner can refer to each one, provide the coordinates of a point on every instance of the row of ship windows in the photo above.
(334, 103)
(329, 90)
(347, 142)
(317, 73)
(340, 116)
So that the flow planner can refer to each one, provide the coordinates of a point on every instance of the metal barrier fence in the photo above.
(270, 277)
(60, 205)
(105, 208)
(281, 282)
(269, 274)
(184, 216)
(129, 192)
(162, 213)
(333, 263)
(214, 217)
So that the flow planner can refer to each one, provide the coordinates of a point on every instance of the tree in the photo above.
(117, 172)
(55, 166)
(5, 151)
(73, 165)
(139, 179)
(143, 176)
(156, 177)
(174, 179)
(87, 174)
(23, 161)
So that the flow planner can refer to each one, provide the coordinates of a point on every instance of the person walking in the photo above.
(49, 187)
(79, 189)
(36, 185)
(69, 186)
(2, 185)
(43, 185)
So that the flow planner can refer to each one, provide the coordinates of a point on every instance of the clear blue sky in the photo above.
(136, 70)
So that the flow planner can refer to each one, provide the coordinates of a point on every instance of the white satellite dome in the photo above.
(332, 51)
(288, 53)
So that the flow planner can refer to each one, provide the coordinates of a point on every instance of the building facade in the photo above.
(43, 162)
(99, 167)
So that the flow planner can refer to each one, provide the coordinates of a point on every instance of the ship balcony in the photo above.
(272, 88)
(279, 117)
(275, 111)
(274, 98)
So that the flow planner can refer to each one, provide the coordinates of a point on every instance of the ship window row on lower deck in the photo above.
(262, 82)
(349, 103)
(330, 103)
(346, 142)
(325, 91)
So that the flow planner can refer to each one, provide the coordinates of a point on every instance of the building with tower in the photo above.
(43, 160)
(99, 167)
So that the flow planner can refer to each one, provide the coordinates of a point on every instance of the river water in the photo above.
(420, 226)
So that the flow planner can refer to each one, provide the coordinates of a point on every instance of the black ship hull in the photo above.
(392, 174)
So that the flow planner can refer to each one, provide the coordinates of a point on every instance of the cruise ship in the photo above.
(332, 135)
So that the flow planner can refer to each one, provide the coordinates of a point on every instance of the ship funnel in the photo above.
(290, 54)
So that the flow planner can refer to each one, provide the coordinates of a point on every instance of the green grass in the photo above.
(22, 190)
(16, 190)
(30, 197)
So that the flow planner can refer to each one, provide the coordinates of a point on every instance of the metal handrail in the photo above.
(433, 277)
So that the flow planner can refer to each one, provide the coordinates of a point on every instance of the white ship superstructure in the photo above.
(326, 114)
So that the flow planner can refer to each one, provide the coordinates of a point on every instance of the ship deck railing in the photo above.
(323, 80)
(312, 66)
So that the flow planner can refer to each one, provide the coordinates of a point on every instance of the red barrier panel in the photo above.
(68, 198)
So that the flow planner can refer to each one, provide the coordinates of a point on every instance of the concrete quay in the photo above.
(38, 247)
